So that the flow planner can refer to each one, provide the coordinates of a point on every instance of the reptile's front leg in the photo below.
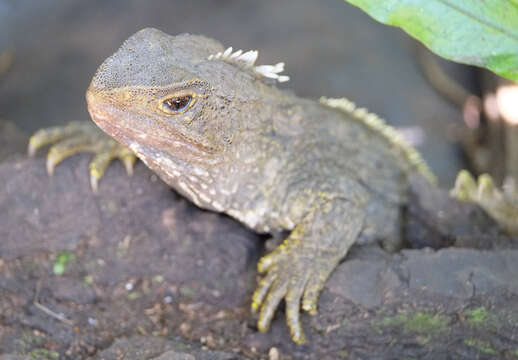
(297, 270)
(77, 137)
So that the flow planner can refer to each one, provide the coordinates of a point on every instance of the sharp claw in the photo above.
(465, 186)
(299, 337)
(78, 137)
(98, 166)
(269, 306)
(51, 163)
(310, 299)
(484, 193)
(309, 307)
(293, 312)
(261, 291)
(40, 139)
(128, 159)
(94, 182)
(486, 188)
(128, 162)
(32, 147)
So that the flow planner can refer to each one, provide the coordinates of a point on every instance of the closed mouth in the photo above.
(177, 144)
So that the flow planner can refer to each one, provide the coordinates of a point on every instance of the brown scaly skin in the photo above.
(232, 142)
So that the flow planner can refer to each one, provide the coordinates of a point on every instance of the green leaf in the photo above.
(476, 32)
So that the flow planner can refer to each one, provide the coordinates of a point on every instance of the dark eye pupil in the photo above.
(178, 103)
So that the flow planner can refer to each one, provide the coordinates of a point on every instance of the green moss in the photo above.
(63, 258)
(30, 345)
(477, 316)
(482, 345)
(27, 341)
(515, 353)
(43, 354)
(484, 319)
(426, 323)
(420, 322)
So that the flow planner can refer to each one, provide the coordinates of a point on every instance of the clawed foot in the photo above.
(296, 275)
(502, 205)
(77, 137)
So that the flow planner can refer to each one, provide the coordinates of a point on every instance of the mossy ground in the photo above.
(426, 323)
(483, 346)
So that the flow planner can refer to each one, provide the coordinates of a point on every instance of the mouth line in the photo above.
(161, 143)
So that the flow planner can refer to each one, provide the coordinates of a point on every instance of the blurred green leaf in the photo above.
(476, 32)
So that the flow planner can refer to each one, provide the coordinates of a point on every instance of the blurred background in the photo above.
(330, 48)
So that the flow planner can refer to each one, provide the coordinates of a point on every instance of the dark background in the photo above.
(330, 48)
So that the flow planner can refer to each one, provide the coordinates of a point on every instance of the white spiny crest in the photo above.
(378, 124)
(247, 60)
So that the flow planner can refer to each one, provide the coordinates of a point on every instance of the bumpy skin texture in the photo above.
(232, 142)
(262, 155)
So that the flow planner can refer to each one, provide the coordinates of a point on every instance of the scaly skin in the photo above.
(264, 156)
(234, 143)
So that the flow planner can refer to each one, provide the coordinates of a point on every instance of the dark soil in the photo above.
(83, 275)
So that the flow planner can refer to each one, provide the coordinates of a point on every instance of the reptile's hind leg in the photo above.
(77, 137)
(499, 205)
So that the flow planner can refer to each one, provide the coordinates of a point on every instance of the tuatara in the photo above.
(215, 127)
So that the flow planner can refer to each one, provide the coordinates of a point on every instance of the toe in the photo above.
(293, 312)
(267, 261)
(311, 293)
(127, 157)
(275, 295)
(262, 289)
(465, 186)
(98, 166)
(66, 148)
(486, 191)
(78, 137)
(51, 135)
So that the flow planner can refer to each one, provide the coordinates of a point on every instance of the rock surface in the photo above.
(93, 276)
(155, 348)
(12, 139)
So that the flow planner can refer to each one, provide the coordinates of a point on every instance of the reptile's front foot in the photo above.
(498, 204)
(295, 274)
(77, 137)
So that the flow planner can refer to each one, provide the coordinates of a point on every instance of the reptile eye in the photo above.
(176, 104)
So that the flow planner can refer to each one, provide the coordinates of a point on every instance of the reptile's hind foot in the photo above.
(77, 137)
(499, 204)
(296, 275)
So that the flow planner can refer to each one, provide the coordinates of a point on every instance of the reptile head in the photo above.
(162, 92)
